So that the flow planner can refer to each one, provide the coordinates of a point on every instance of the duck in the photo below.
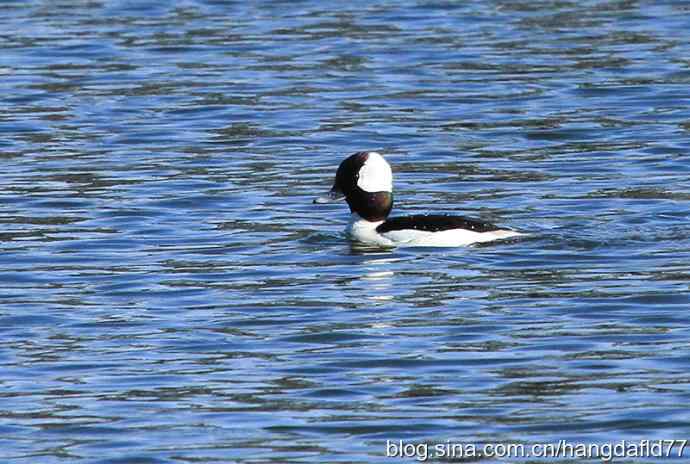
(365, 181)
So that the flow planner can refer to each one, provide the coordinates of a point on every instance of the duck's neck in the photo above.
(373, 207)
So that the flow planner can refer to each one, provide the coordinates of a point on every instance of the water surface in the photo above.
(169, 293)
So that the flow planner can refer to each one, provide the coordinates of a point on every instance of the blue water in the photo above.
(169, 293)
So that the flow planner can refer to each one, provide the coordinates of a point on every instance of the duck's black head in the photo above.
(365, 180)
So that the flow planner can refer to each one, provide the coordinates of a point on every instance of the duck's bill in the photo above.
(330, 197)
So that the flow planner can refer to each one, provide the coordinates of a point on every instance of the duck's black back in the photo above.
(434, 223)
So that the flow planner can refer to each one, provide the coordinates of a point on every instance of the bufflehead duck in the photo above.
(365, 181)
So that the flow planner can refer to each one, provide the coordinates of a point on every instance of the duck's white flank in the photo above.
(364, 231)
(446, 238)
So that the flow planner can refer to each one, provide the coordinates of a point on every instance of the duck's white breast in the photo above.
(364, 231)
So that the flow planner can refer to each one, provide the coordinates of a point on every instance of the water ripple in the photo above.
(169, 293)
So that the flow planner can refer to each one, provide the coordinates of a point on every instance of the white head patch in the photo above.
(375, 175)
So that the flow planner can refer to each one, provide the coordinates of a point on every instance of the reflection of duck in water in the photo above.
(365, 180)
